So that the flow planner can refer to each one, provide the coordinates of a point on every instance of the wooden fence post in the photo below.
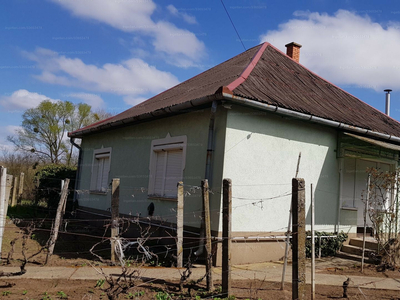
(179, 227)
(298, 239)
(21, 186)
(3, 182)
(56, 226)
(14, 192)
(114, 215)
(207, 227)
(226, 238)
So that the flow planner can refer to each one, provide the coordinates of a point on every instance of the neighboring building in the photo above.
(264, 108)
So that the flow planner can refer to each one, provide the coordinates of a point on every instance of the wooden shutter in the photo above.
(159, 173)
(173, 172)
(93, 180)
(106, 170)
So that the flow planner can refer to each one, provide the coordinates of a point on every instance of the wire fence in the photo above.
(152, 245)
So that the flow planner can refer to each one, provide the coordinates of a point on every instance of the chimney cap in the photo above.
(294, 44)
(387, 90)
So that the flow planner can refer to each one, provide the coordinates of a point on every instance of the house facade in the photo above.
(247, 119)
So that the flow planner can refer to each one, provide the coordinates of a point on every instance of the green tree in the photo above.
(44, 129)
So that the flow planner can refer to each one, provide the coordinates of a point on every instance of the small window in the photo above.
(100, 170)
(167, 162)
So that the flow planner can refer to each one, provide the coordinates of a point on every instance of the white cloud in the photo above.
(186, 17)
(12, 129)
(95, 101)
(131, 77)
(131, 100)
(135, 16)
(345, 48)
(22, 100)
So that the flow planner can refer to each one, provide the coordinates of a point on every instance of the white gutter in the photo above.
(308, 117)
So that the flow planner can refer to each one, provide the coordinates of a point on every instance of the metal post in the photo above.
(365, 222)
(207, 227)
(319, 245)
(226, 238)
(312, 245)
(298, 239)
(179, 226)
(114, 215)
(3, 182)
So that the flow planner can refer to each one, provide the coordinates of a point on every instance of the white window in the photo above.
(167, 162)
(100, 169)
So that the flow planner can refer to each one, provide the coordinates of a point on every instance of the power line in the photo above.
(234, 27)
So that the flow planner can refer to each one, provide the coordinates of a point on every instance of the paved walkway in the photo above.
(271, 271)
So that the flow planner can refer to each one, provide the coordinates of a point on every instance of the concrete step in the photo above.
(350, 249)
(354, 257)
(369, 243)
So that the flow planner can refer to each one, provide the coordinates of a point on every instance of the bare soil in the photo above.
(243, 289)
(369, 270)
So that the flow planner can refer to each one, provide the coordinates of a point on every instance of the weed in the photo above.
(100, 283)
(46, 296)
(24, 292)
(6, 293)
(163, 296)
(62, 295)
(134, 295)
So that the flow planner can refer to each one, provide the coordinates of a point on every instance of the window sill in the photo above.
(349, 208)
(97, 192)
(154, 197)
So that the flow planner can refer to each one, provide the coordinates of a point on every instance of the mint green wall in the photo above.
(261, 154)
(130, 162)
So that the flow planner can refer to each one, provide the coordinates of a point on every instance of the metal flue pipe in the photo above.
(387, 109)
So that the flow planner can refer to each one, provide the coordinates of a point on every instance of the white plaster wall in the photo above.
(261, 153)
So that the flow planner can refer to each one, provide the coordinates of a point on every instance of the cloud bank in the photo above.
(344, 48)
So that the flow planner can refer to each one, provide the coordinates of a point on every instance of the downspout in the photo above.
(208, 173)
(78, 169)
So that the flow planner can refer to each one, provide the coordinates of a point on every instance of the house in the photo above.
(246, 119)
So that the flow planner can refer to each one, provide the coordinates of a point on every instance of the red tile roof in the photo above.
(265, 74)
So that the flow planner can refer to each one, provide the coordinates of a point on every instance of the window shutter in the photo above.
(106, 170)
(173, 172)
(93, 179)
(159, 174)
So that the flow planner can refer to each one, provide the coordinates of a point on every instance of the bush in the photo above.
(329, 246)
(49, 188)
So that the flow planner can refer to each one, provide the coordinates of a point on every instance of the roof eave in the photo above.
(175, 109)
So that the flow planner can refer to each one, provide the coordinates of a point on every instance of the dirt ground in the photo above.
(73, 250)
(243, 289)
(355, 270)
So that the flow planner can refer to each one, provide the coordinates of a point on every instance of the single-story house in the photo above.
(246, 119)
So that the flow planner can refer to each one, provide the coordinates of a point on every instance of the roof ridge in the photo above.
(246, 72)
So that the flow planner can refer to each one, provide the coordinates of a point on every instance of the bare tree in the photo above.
(383, 211)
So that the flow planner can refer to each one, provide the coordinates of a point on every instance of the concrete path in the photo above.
(271, 271)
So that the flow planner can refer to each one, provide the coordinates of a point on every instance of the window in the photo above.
(167, 162)
(100, 169)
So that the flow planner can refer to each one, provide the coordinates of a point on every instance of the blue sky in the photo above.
(113, 54)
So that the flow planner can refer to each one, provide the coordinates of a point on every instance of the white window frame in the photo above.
(99, 153)
(166, 144)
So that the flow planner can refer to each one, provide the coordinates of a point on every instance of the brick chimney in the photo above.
(293, 51)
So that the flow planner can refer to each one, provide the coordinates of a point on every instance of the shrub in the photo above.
(49, 187)
(329, 246)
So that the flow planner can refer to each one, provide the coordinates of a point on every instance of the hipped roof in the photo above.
(264, 74)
